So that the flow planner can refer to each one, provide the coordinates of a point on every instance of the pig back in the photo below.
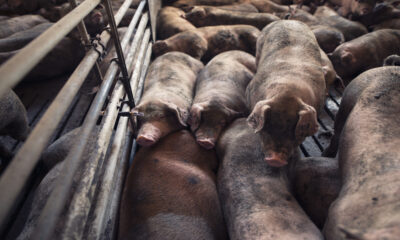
(226, 77)
(170, 191)
(287, 51)
(369, 162)
(255, 197)
(172, 76)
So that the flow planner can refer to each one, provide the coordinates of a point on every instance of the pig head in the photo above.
(208, 119)
(283, 122)
(156, 119)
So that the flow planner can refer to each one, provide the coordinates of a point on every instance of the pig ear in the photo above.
(257, 118)
(181, 114)
(187, 8)
(347, 58)
(195, 116)
(232, 114)
(307, 124)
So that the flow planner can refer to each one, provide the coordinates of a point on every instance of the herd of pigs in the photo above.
(234, 88)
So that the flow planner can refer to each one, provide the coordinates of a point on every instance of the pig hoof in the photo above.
(273, 162)
(206, 143)
(145, 141)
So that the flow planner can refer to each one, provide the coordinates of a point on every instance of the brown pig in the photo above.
(256, 199)
(68, 49)
(287, 90)
(354, 9)
(13, 119)
(316, 184)
(206, 42)
(366, 52)
(20, 39)
(171, 21)
(202, 16)
(368, 204)
(392, 60)
(267, 6)
(220, 95)
(329, 17)
(189, 3)
(350, 97)
(167, 97)
(242, 7)
(328, 37)
(170, 193)
(21, 23)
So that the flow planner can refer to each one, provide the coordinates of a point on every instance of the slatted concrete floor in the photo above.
(314, 145)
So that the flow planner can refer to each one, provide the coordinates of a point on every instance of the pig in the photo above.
(256, 199)
(366, 52)
(20, 39)
(53, 164)
(24, 6)
(242, 7)
(350, 29)
(328, 38)
(267, 6)
(181, 202)
(220, 95)
(13, 120)
(21, 23)
(354, 9)
(69, 50)
(167, 97)
(287, 90)
(392, 60)
(316, 184)
(368, 203)
(350, 97)
(189, 3)
(95, 22)
(171, 21)
(382, 12)
(391, 24)
(329, 71)
(207, 42)
(211, 16)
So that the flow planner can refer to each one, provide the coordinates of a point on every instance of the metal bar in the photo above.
(80, 204)
(124, 163)
(120, 54)
(56, 201)
(154, 8)
(17, 173)
(12, 71)
(85, 39)
(110, 173)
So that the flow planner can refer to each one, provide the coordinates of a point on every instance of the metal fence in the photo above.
(133, 61)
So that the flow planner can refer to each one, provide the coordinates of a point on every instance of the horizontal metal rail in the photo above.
(57, 199)
(17, 173)
(15, 69)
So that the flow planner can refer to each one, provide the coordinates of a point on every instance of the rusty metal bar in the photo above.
(110, 173)
(85, 39)
(120, 54)
(17, 173)
(123, 165)
(56, 201)
(12, 71)
(80, 205)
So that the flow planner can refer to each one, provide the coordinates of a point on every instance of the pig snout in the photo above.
(97, 17)
(148, 135)
(206, 140)
(275, 159)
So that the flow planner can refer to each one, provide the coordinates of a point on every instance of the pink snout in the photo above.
(276, 160)
(206, 143)
(148, 135)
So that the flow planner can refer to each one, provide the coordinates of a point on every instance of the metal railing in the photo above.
(133, 57)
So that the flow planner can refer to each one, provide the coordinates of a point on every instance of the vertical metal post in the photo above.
(120, 54)
(86, 40)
